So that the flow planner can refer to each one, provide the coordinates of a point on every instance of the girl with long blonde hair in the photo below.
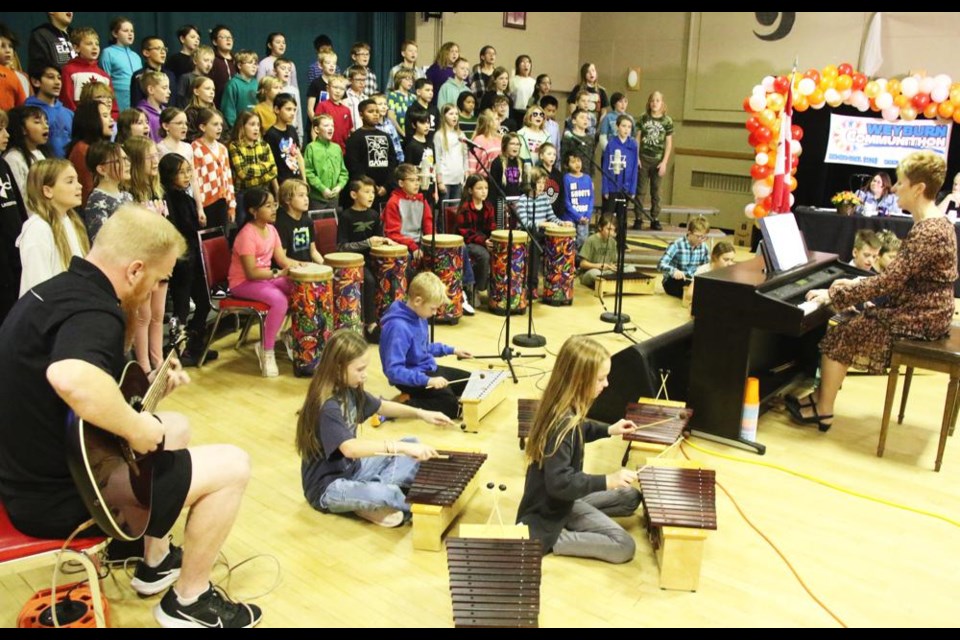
(144, 185)
(341, 472)
(54, 233)
(567, 509)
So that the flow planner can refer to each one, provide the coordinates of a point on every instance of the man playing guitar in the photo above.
(62, 349)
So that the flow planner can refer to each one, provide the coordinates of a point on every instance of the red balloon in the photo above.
(814, 75)
(767, 203)
(746, 105)
(794, 163)
(796, 132)
(781, 84)
(920, 101)
(752, 124)
(844, 69)
(752, 140)
(759, 172)
(859, 81)
(763, 134)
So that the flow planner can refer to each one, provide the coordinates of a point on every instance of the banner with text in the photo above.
(874, 142)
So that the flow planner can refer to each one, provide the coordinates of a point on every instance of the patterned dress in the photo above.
(918, 287)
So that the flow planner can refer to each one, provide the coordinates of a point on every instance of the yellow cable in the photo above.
(773, 546)
(825, 483)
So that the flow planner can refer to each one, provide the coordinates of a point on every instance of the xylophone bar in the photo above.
(526, 412)
(440, 491)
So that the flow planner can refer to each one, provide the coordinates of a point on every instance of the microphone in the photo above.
(569, 136)
(470, 143)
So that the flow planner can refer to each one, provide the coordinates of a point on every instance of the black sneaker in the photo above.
(148, 581)
(637, 225)
(211, 610)
(655, 225)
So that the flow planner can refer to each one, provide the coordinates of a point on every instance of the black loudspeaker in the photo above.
(635, 372)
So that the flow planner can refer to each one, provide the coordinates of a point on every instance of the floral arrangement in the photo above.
(845, 198)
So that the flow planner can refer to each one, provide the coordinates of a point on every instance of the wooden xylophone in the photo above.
(679, 500)
(440, 490)
(660, 423)
(526, 412)
(636, 282)
(482, 394)
(494, 582)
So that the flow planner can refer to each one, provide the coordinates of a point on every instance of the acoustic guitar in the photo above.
(94, 454)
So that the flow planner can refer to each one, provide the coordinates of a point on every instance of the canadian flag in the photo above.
(781, 174)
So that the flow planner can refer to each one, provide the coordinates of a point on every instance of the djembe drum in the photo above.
(347, 290)
(390, 272)
(559, 273)
(311, 314)
(443, 255)
(508, 268)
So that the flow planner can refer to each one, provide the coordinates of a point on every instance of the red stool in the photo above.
(19, 552)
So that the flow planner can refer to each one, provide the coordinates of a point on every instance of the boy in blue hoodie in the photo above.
(47, 84)
(622, 166)
(577, 196)
(408, 356)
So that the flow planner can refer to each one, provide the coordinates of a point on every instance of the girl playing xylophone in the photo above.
(567, 509)
(342, 473)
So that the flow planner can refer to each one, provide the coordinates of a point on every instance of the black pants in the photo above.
(369, 295)
(188, 282)
(444, 400)
(481, 265)
(675, 287)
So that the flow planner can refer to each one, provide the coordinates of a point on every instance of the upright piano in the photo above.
(749, 322)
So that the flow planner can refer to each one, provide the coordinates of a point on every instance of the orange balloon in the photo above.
(816, 97)
(945, 109)
(827, 82)
(955, 95)
(930, 111)
(772, 159)
(759, 211)
(792, 182)
(901, 101)
(956, 116)
(800, 102)
(769, 180)
(761, 148)
(843, 83)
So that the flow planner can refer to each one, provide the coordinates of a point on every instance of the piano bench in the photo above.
(942, 356)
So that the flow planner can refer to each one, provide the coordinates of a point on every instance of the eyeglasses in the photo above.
(698, 236)
(162, 49)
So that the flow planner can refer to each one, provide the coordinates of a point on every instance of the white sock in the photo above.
(186, 601)
(154, 566)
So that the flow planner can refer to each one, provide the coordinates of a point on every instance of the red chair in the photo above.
(325, 235)
(19, 552)
(215, 253)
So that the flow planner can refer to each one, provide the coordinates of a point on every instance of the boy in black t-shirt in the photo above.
(359, 229)
(419, 152)
(284, 141)
(423, 88)
(294, 225)
(370, 152)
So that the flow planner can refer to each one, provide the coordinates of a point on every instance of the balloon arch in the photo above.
(905, 99)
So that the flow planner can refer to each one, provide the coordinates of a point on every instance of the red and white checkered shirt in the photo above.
(213, 173)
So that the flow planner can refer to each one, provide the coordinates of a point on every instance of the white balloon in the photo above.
(940, 93)
(762, 159)
(806, 86)
(884, 100)
(845, 96)
(767, 83)
(942, 80)
(891, 112)
(758, 102)
(758, 90)
(795, 148)
(832, 97)
(909, 87)
(761, 189)
(748, 210)
(792, 200)
(926, 84)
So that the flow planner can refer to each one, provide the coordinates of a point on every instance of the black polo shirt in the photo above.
(74, 315)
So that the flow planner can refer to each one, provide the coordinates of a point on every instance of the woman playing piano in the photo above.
(918, 287)
(567, 509)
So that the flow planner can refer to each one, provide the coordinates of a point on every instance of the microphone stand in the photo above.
(617, 317)
(508, 354)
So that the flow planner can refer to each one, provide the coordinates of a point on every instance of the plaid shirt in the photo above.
(680, 255)
(371, 82)
(476, 226)
(213, 173)
(253, 164)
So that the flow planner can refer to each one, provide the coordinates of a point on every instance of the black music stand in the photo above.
(507, 354)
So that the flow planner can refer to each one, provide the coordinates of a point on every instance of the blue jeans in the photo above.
(376, 485)
(583, 230)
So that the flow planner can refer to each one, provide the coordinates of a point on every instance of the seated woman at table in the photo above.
(949, 201)
(918, 287)
(877, 198)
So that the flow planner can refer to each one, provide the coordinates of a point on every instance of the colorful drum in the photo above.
(559, 259)
(347, 290)
(311, 315)
(390, 272)
(508, 267)
(445, 259)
